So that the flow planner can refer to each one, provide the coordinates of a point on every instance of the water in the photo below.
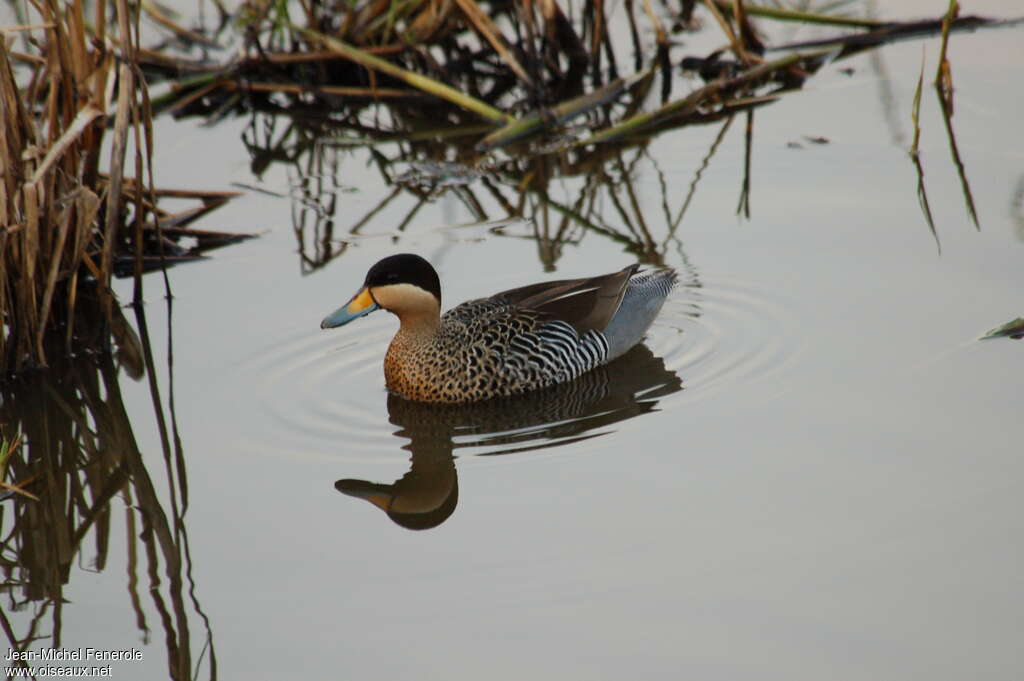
(811, 469)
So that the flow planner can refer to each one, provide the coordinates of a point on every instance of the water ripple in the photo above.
(323, 393)
(723, 333)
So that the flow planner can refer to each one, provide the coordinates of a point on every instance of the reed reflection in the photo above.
(573, 412)
(501, 130)
(76, 465)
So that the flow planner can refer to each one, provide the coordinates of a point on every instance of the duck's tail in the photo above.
(645, 294)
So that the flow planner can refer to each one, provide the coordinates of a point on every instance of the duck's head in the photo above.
(404, 284)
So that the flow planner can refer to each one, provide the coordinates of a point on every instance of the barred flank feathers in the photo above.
(561, 348)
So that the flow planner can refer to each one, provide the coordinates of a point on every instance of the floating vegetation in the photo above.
(435, 174)
(529, 67)
(504, 98)
(1012, 329)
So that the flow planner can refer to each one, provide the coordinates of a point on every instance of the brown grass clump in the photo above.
(61, 216)
(65, 223)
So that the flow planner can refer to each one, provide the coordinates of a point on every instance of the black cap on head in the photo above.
(405, 268)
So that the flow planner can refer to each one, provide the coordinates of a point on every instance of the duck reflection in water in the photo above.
(427, 495)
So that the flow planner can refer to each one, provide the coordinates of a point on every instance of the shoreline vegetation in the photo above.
(511, 94)
(74, 214)
(527, 80)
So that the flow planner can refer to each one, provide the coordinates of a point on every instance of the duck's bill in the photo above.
(361, 305)
(380, 496)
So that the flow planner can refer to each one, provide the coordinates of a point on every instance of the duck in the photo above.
(514, 342)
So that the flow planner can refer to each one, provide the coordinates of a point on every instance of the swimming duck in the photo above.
(515, 341)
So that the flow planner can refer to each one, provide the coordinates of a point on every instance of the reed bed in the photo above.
(513, 93)
(499, 84)
(68, 224)
(523, 67)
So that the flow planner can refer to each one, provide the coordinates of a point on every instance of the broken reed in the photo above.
(522, 67)
(475, 55)
(62, 219)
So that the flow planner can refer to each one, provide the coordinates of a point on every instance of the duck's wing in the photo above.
(586, 304)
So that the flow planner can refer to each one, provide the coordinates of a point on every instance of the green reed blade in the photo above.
(697, 97)
(416, 80)
(1011, 329)
(558, 114)
(780, 14)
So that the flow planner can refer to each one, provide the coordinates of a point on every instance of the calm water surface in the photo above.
(811, 469)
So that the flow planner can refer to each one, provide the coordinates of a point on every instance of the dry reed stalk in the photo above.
(365, 92)
(701, 96)
(416, 80)
(50, 185)
(492, 34)
(558, 114)
(154, 12)
(781, 14)
(943, 75)
(723, 23)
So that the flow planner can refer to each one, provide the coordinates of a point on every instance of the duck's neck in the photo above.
(419, 326)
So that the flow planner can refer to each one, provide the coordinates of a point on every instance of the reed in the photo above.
(491, 60)
(524, 68)
(50, 200)
(798, 16)
(569, 116)
(915, 158)
(1012, 329)
(474, 81)
(944, 92)
(67, 224)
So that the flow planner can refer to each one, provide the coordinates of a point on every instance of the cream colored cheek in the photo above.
(402, 297)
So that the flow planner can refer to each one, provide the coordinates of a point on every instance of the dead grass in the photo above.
(65, 223)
